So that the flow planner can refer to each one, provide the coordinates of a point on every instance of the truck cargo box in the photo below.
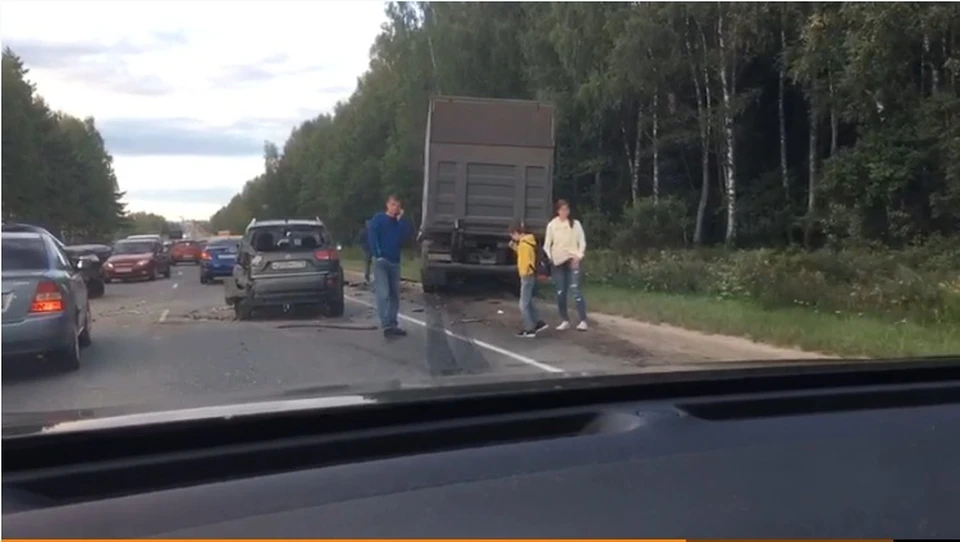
(487, 163)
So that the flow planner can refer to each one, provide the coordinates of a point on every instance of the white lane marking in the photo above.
(163, 316)
(483, 344)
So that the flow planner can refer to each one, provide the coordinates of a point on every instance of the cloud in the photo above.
(109, 66)
(146, 137)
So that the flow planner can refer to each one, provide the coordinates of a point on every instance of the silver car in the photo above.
(45, 306)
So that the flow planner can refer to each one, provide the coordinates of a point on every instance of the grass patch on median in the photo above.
(352, 259)
(801, 327)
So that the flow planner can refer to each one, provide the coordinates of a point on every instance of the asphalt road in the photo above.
(172, 343)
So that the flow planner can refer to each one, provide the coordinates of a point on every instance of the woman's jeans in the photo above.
(567, 279)
(528, 310)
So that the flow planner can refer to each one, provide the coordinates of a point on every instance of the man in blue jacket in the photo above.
(385, 236)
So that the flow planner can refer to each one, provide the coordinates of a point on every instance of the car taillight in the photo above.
(204, 255)
(47, 299)
(327, 254)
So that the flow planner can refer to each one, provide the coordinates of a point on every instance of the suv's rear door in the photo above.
(292, 251)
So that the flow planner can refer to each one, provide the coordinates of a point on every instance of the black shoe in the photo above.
(526, 334)
(541, 325)
(394, 332)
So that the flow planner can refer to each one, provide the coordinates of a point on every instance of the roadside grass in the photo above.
(796, 327)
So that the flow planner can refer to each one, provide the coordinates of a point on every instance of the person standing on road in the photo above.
(525, 246)
(385, 236)
(565, 245)
(365, 246)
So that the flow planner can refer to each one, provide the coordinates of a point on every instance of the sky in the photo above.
(186, 92)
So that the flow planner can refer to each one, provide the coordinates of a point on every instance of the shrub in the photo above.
(921, 284)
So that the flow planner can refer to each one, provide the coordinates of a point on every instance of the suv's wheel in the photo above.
(155, 274)
(96, 288)
(335, 307)
(241, 310)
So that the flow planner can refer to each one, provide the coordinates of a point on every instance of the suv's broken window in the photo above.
(288, 238)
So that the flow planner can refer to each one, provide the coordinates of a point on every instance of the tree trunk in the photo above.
(934, 74)
(656, 147)
(727, 85)
(782, 125)
(812, 179)
(633, 157)
(703, 123)
(834, 121)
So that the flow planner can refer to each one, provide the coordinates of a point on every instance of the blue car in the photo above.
(218, 258)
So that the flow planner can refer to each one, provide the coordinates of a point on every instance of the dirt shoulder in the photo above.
(614, 335)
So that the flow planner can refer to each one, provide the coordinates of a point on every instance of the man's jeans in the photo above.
(527, 308)
(386, 284)
(567, 279)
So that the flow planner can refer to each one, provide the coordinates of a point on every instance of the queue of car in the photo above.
(47, 285)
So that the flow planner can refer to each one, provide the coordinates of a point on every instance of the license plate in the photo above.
(289, 265)
(188, 256)
(123, 270)
(227, 257)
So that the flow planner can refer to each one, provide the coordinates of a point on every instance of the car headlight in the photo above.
(143, 262)
(108, 265)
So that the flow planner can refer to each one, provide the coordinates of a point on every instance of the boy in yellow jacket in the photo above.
(525, 246)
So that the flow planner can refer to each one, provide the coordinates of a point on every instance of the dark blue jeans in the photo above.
(567, 279)
(386, 285)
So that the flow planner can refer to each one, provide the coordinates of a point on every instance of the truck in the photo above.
(176, 230)
(487, 164)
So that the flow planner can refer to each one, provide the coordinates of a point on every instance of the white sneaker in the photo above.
(564, 325)
(582, 326)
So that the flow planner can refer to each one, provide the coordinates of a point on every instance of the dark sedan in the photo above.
(45, 306)
(94, 257)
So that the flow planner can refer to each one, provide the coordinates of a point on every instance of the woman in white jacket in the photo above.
(565, 245)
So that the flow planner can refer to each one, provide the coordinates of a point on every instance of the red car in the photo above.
(137, 259)
(186, 251)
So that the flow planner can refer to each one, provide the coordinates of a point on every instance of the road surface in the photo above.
(172, 343)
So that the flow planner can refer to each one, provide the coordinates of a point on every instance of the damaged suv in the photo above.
(286, 263)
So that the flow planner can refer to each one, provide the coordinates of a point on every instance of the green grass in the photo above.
(352, 260)
(797, 327)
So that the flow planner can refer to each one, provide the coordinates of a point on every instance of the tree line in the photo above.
(57, 172)
(680, 124)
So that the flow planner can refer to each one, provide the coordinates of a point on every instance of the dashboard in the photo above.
(859, 454)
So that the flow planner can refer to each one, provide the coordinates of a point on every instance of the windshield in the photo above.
(133, 247)
(410, 195)
(23, 254)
